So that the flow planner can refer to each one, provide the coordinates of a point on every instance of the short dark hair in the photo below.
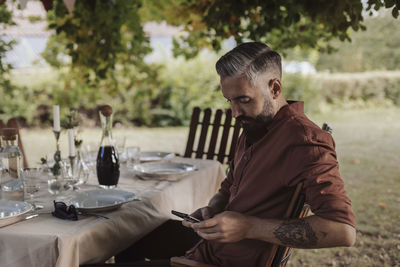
(249, 59)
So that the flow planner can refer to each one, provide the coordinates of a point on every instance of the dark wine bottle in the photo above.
(107, 164)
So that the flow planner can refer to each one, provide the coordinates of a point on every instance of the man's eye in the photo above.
(244, 100)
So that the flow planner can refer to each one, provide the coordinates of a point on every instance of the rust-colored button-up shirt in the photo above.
(263, 177)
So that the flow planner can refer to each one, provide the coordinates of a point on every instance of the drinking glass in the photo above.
(11, 188)
(120, 142)
(89, 152)
(70, 171)
(133, 154)
(56, 186)
(75, 172)
(32, 178)
(57, 183)
(88, 155)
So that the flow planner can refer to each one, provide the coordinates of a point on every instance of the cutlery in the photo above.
(31, 216)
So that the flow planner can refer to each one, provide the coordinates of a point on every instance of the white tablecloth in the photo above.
(48, 241)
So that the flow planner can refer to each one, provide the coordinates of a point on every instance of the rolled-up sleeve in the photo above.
(323, 185)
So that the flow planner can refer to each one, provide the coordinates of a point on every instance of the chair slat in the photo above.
(225, 135)
(208, 146)
(1, 126)
(283, 253)
(192, 132)
(296, 203)
(203, 134)
(214, 134)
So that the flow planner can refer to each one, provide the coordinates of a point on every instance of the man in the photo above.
(280, 148)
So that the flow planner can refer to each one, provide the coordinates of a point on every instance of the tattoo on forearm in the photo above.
(296, 233)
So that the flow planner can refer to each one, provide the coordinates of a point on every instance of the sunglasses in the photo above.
(65, 212)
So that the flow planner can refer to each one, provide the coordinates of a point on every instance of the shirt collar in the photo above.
(293, 107)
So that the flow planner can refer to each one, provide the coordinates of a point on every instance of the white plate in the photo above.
(97, 200)
(155, 156)
(171, 171)
(12, 211)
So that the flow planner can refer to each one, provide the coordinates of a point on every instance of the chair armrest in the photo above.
(183, 262)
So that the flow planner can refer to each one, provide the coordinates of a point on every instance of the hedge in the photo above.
(182, 86)
(365, 89)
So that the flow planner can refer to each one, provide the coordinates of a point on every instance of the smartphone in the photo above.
(185, 216)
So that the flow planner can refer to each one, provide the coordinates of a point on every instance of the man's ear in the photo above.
(275, 87)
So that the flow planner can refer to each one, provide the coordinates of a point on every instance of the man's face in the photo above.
(252, 105)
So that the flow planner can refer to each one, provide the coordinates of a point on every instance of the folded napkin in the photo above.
(65, 212)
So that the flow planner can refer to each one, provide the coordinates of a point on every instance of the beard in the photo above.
(255, 128)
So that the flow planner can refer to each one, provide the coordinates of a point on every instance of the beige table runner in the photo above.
(48, 241)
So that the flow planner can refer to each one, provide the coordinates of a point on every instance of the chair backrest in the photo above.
(13, 123)
(297, 209)
(214, 145)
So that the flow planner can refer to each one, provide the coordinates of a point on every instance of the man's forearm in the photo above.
(309, 232)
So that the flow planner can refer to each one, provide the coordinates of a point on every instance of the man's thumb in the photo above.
(206, 213)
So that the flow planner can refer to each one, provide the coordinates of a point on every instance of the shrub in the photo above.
(374, 87)
(186, 84)
(304, 88)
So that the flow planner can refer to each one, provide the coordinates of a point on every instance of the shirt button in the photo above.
(245, 157)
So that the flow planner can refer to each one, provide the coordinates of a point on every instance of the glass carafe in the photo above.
(107, 164)
(11, 182)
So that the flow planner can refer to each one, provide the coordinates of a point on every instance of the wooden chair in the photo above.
(13, 123)
(206, 143)
(296, 209)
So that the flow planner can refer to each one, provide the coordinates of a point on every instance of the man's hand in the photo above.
(201, 214)
(225, 227)
(204, 213)
(216, 205)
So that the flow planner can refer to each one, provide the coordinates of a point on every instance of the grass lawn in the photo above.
(368, 145)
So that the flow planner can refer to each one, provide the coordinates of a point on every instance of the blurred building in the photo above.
(31, 34)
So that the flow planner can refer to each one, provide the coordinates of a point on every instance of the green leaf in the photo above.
(395, 12)
(389, 3)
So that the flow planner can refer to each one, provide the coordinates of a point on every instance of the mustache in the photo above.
(244, 118)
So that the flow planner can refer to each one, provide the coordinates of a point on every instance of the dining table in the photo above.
(49, 241)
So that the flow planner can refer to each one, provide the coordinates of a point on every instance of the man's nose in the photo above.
(236, 110)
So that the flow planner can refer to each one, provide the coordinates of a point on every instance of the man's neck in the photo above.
(280, 102)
